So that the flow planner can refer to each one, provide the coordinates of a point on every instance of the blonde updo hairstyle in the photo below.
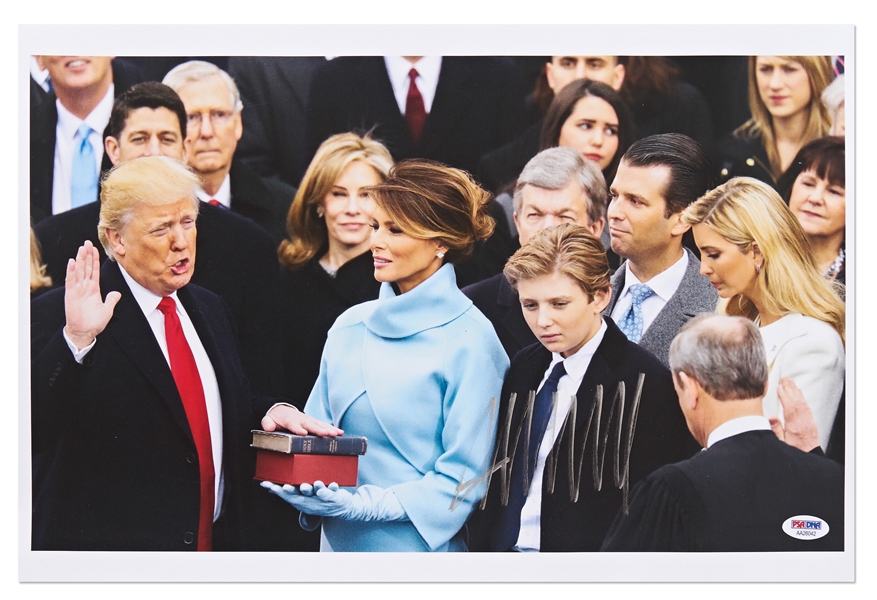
(747, 213)
(306, 228)
(431, 201)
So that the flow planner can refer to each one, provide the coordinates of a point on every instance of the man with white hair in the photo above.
(747, 491)
(213, 107)
(558, 185)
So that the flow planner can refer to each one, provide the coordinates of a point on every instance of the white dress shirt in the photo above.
(65, 130)
(664, 285)
(223, 194)
(428, 69)
(736, 427)
(148, 303)
(567, 388)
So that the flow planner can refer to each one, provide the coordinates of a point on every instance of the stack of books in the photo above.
(283, 457)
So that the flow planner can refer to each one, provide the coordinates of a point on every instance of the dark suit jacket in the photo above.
(119, 468)
(263, 201)
(660, 437)
(477, 107)
(42, 141)
(235, 259)
(274, 90)
(311, 301)
(499, 302)
(694, 295)
(735, 497)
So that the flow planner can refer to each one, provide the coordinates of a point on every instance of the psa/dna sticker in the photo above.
(805, 527)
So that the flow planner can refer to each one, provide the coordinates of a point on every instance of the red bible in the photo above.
(295, 469)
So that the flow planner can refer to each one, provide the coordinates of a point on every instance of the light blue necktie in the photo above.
(83, 187)
(632, 321)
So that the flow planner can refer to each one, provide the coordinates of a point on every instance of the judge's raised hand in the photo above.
(288, 417)
(87, 313)
(799, 429)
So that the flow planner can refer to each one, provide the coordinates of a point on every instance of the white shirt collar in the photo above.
(577, 364)
(147, 301)
(97, 119)
(223, 194)
(39, 75)
(737, 426)
(428, 69)
(665, 283)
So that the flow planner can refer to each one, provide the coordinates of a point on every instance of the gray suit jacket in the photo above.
(695, 295)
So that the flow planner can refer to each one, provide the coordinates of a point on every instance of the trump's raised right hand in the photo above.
(87, 313)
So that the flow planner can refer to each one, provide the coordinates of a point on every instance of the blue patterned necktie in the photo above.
(632, 321)
(508, 525)
(83, 187)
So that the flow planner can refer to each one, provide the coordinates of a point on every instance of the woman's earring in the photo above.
(758, 269)
(320, 212)
(440, 254)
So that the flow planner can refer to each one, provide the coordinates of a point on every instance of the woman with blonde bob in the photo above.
(327, 266)
(787, 113)
(417, 372)
(755, 253)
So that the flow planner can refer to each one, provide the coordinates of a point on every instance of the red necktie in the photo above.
(415, 113)
(214, 202)
(188, 381)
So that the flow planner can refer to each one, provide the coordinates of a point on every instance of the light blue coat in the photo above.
(419, 375)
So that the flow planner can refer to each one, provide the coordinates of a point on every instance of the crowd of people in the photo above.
(537, 285)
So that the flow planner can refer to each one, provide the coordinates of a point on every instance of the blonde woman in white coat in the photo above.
(755, 253)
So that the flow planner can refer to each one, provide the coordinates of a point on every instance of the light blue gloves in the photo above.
(368, 503)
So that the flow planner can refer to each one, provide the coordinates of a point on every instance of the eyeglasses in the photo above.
(217, 118)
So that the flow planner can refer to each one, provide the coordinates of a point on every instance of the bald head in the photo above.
(724, 354)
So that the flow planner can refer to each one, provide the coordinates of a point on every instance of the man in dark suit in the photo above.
(83, 92)
(659, 287)
(237, 258)
(557, 185)
(748, 491)
(140, 407)
(602, 401)
(213, 105)
(275, 91)
(455, 109)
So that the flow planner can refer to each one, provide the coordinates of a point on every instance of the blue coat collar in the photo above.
(433, 303)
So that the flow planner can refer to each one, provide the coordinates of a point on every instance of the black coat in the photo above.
(42, 141)
(734, 497)
(738, 156)
(274, 90)
(263, 201)
(118, 467)
(477, 107)
(235, 259)
(311, 302)
(660, 437)
(500, 304)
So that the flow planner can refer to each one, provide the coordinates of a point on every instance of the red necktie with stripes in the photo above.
(188, 381)
(415, 113)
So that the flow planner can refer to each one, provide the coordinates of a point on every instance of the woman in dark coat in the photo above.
(327, 263)
(784, 99)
